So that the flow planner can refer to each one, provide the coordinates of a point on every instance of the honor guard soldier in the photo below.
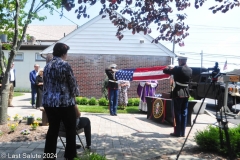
(180, 94)
(112, 89)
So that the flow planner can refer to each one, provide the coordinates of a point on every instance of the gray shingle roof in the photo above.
(50, 32)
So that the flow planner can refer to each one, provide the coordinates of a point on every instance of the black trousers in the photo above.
(68, 116)
(39, 98)
(85, 123)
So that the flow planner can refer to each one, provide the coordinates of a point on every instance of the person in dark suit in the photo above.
(12, 81)
(39, 87)
(180, 95)
(32, 77)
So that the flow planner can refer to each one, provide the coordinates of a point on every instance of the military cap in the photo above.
(112, 66)
(181, 57)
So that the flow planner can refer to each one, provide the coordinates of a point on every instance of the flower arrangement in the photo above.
(16, 117)
(34, 125)
(12, 126)
(25, 132)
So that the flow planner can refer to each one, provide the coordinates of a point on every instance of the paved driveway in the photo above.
(126, 136)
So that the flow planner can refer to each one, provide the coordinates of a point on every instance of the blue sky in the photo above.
(217, 36)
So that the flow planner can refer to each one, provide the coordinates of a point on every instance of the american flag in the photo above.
(225, 66)
(142, 74)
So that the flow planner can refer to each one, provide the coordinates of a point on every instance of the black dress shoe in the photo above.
(78, 146)
(115, 114)
(174, 135)
(112, 114)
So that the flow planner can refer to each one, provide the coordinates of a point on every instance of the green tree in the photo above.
(144, 12)
(15, 16)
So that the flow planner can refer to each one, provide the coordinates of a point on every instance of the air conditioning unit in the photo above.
(3, 38)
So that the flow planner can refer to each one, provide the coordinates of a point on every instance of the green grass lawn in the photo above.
(15, 94)
(104, 109)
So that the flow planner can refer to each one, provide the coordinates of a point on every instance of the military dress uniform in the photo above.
(180, 96)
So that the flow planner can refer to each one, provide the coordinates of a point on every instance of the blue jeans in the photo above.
(113, 100)
(33, 91)
(181, 112)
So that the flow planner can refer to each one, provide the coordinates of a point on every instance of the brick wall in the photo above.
(89, 71)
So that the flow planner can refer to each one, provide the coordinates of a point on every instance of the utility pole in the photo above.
(201, 61)
(173, 50)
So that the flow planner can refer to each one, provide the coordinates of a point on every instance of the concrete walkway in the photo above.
(122, 137)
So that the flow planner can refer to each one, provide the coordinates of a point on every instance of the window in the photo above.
(19, 56)
(38, 57)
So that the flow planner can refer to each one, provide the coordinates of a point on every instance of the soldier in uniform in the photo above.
(180, 95)
(112, 89)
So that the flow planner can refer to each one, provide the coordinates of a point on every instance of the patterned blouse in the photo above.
(60, 86)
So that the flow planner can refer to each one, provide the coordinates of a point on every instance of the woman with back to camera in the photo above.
(59, 92)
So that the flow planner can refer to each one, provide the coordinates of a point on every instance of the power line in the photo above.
(206, 26)
(207, 53)
(67, 18)
(208, 58)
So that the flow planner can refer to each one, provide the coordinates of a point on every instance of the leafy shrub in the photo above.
(1, 133)
(92, 101)
(234, 134)
(209, 140)
(103, 102)
(78, 99)
(130, 102)
(90, 155)
(136, 101)
(39, 119)
(191, 98)
(81, 100)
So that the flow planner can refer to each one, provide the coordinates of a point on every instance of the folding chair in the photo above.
(62, 133)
